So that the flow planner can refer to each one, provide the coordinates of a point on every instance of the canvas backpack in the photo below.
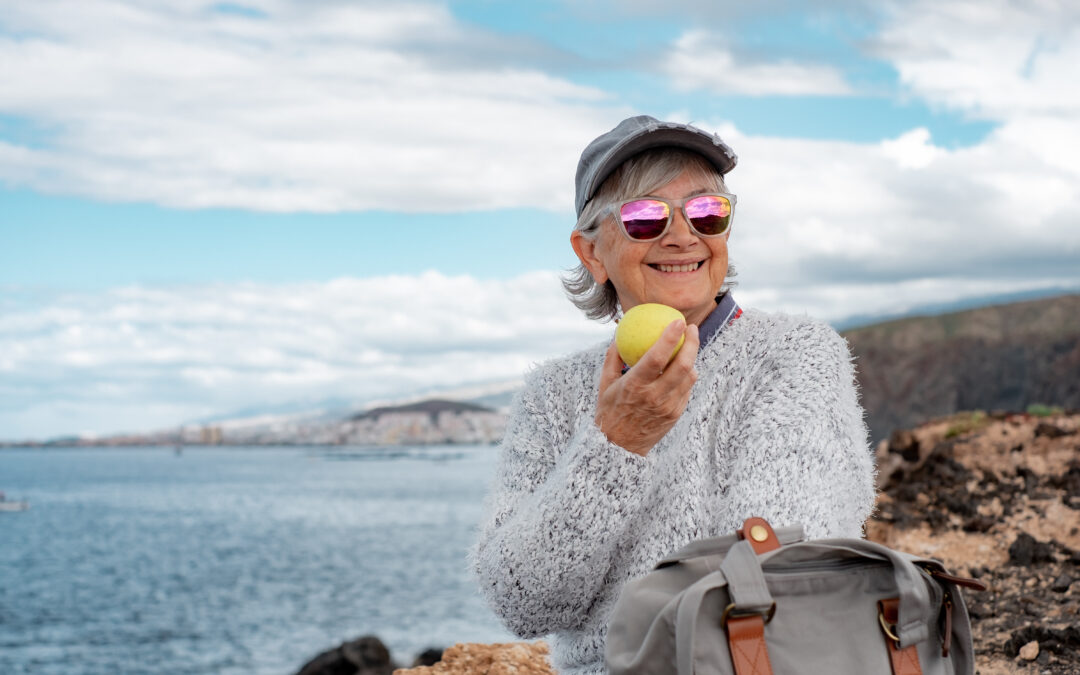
(762, 601)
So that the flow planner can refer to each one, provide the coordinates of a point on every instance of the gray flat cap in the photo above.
(636, 134)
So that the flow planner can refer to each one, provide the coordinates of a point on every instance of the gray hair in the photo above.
(637, 176)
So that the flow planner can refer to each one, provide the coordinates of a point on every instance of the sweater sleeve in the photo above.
(802, 451)
(562, 497)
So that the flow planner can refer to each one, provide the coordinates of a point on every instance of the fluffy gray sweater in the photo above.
(773, 429)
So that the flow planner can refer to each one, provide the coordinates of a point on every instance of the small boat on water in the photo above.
(12, 505)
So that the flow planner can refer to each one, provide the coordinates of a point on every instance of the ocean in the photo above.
(236, 560)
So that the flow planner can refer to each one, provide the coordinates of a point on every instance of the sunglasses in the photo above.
(649, 218)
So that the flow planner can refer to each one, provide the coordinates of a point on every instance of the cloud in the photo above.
(900, 216)
(137, 358)
(824, 225)
(998, 60)
(699, 62)
(296, 107)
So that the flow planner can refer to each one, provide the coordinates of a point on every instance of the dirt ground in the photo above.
(995, 497)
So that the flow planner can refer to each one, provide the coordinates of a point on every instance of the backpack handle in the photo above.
(686, 618)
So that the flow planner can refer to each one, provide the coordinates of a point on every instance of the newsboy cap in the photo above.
(637, 134)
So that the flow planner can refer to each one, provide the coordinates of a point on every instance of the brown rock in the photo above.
(514, 658)
(1030, 651)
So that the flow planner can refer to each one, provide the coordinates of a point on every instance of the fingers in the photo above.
(637, 409)
(655, 361)
(683, 363)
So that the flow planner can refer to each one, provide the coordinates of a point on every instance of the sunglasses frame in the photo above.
(616, 209)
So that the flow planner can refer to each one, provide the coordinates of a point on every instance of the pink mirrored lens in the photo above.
(644, 218)
(709, 214)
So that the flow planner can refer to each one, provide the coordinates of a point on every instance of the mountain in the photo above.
(1005, 357)
(953, 306)
(433, 408)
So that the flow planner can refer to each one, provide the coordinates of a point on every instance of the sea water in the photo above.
(236, 560)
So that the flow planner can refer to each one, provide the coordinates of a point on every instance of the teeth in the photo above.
(690, 267)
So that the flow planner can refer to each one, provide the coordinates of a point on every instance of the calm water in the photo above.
(235, 560)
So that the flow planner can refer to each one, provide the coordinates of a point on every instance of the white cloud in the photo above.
(318, 107)
(995, 59)
(820, 215)
(136, 358)
(838, 227)
(912, 150)
(699, 61)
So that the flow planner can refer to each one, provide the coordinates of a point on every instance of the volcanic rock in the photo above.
(363, 656)
(991, 496)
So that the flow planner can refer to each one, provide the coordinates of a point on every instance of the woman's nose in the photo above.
(680, 234)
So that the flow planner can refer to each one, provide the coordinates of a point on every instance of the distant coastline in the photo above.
(429, 422)
(1004, 357)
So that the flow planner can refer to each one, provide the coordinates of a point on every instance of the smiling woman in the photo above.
(604, 469)
(684, 266)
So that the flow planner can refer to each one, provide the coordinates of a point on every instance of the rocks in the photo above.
(905, 444)
(517, 658)
(428, 657)
(1025, 551)
(1029, 651)
(1047, 430)
(1061, 584)
(999, 501)
(363, 656)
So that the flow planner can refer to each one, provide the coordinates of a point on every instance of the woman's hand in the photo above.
(635, 410)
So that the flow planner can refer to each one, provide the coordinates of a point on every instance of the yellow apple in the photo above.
(641, 327)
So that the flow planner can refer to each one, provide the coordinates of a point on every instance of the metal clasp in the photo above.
(731, 613)
(887, 627)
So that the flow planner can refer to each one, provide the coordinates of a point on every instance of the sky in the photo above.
(212, 207)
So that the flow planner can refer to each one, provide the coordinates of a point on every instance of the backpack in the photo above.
(762, 601)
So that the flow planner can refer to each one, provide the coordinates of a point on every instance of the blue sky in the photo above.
(169, 176)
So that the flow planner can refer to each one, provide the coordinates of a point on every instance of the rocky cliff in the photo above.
(1005, 357)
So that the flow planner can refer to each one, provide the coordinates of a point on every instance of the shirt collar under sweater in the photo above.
(720, 318)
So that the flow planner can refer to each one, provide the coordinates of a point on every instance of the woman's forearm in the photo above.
(553, 524)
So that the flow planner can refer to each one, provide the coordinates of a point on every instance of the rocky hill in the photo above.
(1005, 357)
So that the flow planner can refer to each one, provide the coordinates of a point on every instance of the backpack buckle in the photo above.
(731, 613)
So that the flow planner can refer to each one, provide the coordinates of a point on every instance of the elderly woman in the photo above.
(604, 470)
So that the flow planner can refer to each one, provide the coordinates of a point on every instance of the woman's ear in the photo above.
(585, 248)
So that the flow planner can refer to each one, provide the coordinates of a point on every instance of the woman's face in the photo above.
(646, 272)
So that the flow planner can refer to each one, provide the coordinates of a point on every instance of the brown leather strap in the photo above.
(760, 535)
(904, 661)
(746, 640)
(973, 584)
(746, 634)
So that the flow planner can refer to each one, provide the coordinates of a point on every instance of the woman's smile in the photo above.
(677, 267)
